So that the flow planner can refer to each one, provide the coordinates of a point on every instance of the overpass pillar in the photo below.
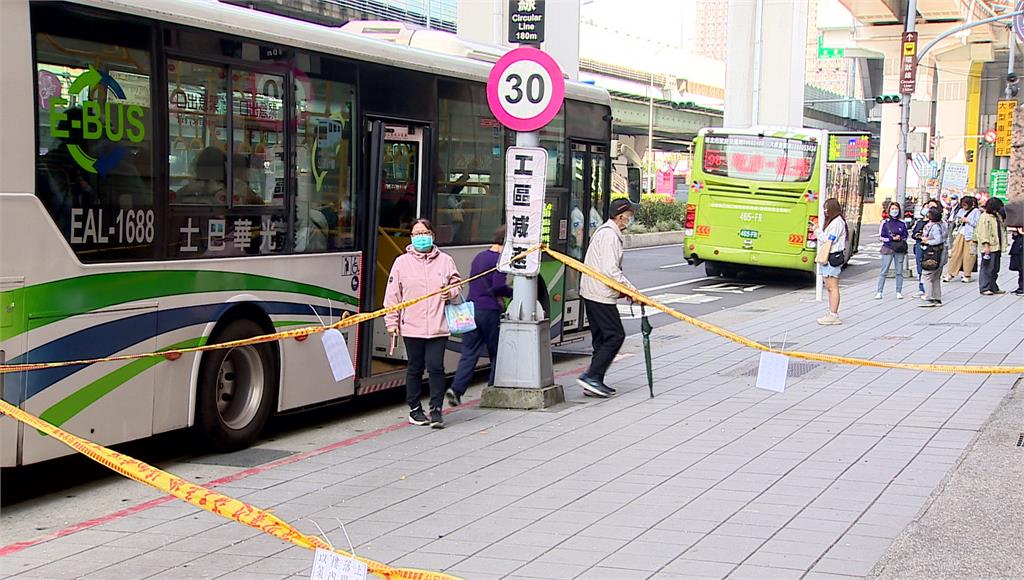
(764, 72)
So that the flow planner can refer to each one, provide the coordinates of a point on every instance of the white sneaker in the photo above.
(899, 296)
(829, 319)
(919, 295)
(878, 296)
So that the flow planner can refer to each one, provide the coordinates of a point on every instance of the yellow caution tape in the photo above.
(346, 321)
(211, 501)
(638, 297)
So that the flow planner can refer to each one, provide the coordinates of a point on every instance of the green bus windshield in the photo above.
(775, 159)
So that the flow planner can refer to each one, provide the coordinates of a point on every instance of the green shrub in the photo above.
(656, 214)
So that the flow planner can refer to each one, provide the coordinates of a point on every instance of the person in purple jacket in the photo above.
(893, 234)
(487, 295)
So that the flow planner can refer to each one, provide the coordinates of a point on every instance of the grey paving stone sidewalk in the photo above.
(711, 478)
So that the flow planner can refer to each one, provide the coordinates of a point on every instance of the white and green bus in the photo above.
(177, 173)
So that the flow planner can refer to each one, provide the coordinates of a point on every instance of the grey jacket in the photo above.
(604, 255)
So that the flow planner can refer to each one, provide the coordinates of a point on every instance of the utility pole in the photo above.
(901, 149)
(649, 166)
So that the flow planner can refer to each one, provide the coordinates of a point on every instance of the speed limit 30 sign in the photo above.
(525, 89)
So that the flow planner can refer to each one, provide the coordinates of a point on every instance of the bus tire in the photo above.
(730, 271)
(712, 269)
(237, 388)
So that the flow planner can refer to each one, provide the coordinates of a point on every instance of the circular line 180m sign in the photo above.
(525, 89)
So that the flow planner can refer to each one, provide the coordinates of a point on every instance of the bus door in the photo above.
(396, 170)
(588, 209)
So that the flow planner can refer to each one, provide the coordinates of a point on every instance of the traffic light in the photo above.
(886, 99)
(970, 155)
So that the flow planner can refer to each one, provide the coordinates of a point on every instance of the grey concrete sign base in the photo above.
(523, 376)
(520, 398)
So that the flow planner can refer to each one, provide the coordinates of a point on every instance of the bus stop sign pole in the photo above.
(525, 91)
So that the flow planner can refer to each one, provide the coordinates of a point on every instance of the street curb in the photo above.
(633, 241)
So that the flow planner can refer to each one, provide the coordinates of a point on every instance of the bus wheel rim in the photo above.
(240, 387)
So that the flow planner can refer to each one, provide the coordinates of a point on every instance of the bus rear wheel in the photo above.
(713, 269)
(237, 389)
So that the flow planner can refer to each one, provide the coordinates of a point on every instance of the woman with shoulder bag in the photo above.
(915, 232)
(893, 234)
(831, 238)
(422, 269)
(933, 237)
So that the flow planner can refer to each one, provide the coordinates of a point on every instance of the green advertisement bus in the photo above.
(756, 194)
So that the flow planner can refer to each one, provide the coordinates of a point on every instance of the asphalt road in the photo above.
(663, 274)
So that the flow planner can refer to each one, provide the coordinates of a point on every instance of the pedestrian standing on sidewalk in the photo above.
(487, 295)
(422, 269)
(934, 238)
(964, 253)
(1016, 259)
(605, 255)
(833, 231)
(991, 237)
(916, 232)
(893, 234)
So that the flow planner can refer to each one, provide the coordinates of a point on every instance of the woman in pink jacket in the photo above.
(421, 270)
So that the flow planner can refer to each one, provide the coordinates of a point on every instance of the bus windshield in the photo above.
(759, 158)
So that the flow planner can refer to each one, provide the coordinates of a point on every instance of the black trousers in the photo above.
(608, 336)
(989, 272)
(425, 353)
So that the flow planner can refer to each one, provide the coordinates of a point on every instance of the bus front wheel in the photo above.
(237, 388)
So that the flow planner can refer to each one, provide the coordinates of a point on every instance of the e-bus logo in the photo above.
(118, 121)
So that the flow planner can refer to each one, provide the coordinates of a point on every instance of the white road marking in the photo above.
(667, 266)
(633, 313)
(730, 288)
(674, 284)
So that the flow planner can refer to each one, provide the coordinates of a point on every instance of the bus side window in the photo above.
(94, 167)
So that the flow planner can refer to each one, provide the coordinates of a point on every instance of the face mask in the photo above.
(422, 242)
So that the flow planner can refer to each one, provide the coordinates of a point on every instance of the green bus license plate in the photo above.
(749, 234)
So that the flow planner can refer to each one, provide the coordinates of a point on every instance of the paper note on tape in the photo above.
(333, 566)
(772, 372)
(337, 354)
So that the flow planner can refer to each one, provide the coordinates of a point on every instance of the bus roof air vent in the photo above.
(418, 37)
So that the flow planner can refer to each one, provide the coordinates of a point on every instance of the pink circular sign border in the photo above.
(557, 88)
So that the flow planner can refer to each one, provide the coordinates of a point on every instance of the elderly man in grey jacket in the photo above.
(605, 255)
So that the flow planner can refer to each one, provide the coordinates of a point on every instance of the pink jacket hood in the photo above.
(416, 274)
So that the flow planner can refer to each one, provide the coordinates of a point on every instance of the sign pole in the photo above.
(822, 185)
(907, 89)
(524, 305)
(525, 90)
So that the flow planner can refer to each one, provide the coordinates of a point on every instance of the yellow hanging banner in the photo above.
(1004, 127)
